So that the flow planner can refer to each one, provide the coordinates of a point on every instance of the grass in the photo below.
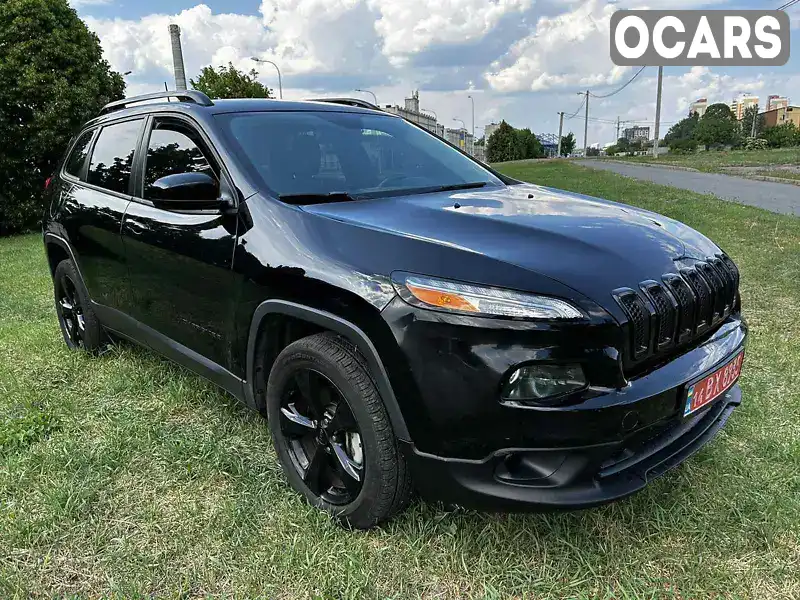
(125, 476)
(716, 161)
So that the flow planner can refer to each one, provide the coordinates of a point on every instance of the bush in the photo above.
(52, 80)
(756, 144)
(782, 136)
(683, 146)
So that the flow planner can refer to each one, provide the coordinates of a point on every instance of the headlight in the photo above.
(452, 296)
(537, 382)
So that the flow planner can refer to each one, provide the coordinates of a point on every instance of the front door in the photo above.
(180, 262)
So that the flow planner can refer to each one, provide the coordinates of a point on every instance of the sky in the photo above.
(520, 60)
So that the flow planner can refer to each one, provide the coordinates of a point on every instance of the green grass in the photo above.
(715, 161)
(780, 173)
(129, 477)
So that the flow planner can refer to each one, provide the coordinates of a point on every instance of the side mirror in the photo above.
(185, 191)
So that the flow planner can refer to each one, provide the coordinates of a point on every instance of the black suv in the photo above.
(406, 317)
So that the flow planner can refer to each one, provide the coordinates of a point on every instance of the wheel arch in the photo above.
(319, 320)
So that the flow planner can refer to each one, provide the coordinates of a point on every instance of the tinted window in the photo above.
(112, 158)
(357, 153)
(77, 159)
(173, 148)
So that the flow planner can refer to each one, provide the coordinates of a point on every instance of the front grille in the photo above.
(669, 313)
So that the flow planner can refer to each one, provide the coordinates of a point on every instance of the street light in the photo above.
(433, 112)
(280, 83)
(473, 114)
(374, 97)
(126, 73)
(463, 125)
(463, 131)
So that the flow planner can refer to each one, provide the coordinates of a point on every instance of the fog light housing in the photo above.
(543, 384)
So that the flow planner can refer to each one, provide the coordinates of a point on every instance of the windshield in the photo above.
(345, 154)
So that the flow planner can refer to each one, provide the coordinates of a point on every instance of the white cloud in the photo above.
(522, 60)
(76, 4)
(409, 27)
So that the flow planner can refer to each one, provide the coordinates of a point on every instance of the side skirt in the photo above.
(128, 327)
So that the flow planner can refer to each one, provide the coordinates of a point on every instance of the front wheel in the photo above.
(332, 433)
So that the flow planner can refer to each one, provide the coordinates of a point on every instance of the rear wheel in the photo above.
(79, 324)
(332, 433)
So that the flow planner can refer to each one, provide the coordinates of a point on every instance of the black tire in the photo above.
(78, 322)
(332, 364)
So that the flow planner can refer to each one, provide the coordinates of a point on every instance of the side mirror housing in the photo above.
(185, 191)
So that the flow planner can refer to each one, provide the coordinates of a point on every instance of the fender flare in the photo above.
(344, 328)
(60, 241)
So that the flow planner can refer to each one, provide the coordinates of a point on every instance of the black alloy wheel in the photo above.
(324, 440)
(332, 433)
(70, 311)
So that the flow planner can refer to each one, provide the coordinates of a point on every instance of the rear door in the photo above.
(96, 187)
(180, 262)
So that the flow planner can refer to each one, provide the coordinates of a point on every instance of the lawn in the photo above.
(716, 161)
(126, 476)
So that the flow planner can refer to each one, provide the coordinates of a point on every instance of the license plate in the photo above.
(710, 387)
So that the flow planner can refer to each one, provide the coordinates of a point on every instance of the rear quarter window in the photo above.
(77, 158)
(112, 157)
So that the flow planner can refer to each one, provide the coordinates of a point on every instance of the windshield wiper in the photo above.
(301, 199)
(461, 186)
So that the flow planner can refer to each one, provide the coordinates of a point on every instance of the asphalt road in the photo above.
(781, 198)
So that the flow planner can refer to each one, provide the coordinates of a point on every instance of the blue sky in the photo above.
(521, 60)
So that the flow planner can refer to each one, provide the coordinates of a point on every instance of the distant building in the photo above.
(698, 107)
(411, 112)
(779, 116)
(741, 104)
(636, 133)
(490, 129)
(461, 138)
(774, 102)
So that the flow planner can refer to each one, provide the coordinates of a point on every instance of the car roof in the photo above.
(144, 107)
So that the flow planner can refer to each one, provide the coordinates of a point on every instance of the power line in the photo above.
(788, 4)
(576, 111)
(630, 81)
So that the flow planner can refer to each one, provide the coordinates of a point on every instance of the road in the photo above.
(781, 198)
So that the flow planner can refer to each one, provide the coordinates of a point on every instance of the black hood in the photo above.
(589, 244)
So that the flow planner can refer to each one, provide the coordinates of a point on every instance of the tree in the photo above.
(528, 145)
(502, 145)
(229, 82)
(53, 78)
(718, 126)
(682, 131)
(567, 144)
(751, 115)
(782, 136)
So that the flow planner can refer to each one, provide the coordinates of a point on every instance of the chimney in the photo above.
(177, 57)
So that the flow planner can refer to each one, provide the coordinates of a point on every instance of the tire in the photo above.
(79, 324)
(320, 366)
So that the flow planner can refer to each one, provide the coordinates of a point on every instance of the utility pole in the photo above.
(473, 115)
(560, 129)
(658, 110)
(586, 128)
(755, 118)
(617, 138)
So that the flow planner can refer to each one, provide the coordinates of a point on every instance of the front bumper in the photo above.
(469, 448)
(581, 477)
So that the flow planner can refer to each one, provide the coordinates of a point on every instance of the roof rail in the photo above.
(184, 95)
(347, 102)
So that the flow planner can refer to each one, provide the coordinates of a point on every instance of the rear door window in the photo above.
(112, 157)
(77, 157)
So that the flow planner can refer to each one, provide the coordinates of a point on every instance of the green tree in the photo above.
(503, 144)
(528, 145)
(53, 78)
(746, 124)
(718, 126)
(567, 144)
(229, 82)
(782, 136)
(682, 131)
